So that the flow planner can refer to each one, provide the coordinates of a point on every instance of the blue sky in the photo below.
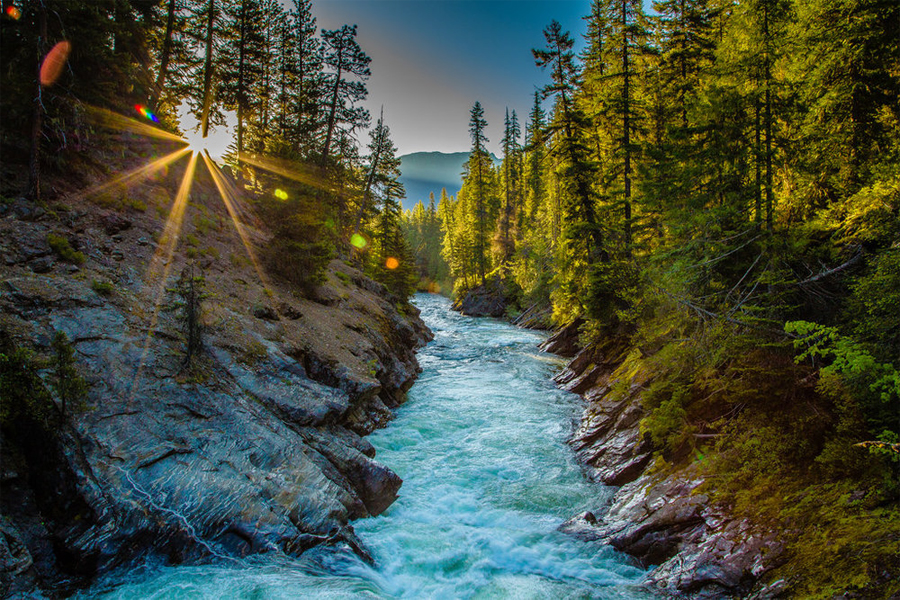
(432, 59)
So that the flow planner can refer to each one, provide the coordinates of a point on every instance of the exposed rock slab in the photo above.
(661, 517)
(258, 448)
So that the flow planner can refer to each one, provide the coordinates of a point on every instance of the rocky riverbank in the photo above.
(660, 514)
(257, 447)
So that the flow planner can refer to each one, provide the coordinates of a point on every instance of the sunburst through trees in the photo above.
(131, 68)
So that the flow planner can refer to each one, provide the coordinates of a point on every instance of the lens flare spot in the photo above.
(391, 263)
(13, 13)
(329, 223)
(54, 62)
(144, 112)
(358, 241)
(281, 194)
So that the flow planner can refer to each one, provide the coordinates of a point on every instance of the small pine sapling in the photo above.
(69, 386)
(190, 293)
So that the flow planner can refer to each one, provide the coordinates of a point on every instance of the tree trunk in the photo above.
(769, 195)
(757, 154)
(626, 104)
(33, 190)
(241, 83)
(334, 98)
(370, 180)
(164, 57)
(207, 68)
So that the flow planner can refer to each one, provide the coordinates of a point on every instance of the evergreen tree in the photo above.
(345, 60)
(582, 235)
(205, 29)
(535, 152)
(478, 171)
(170, 47)
(306, 109)
(243, 61)
(622, 22)
(847, 57)
(507, 225)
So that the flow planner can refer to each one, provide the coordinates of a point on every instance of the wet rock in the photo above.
(564, 342)
(659, 518)
(376, 485)
(17, 573)
(487, 300)
(583, 527)
(254, 450)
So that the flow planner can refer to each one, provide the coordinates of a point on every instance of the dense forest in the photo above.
(713, 194)
(710, 193)
(114, 67)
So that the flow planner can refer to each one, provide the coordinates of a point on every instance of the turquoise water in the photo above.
(487, 479)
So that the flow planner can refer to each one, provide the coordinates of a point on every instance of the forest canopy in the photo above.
(710, 192)
(295, 92)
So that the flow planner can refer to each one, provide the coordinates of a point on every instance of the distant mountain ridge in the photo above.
(425, 172)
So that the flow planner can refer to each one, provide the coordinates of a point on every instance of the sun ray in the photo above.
(286, 169)
(138, 173)
(113, 120)
(162, 259)
(228, 199)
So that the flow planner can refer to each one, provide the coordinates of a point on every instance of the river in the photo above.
(487, 479)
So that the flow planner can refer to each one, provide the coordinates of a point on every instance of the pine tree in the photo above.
(535, 152)
(623, 23)
(345, 59)
(243, 58)
(507, 225)
(847, 66)
(306, 109)
(478, 166)
(171, 47)
(205, 29)
(582, 235)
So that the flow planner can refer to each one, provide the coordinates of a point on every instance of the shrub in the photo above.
(190, 293)
(61, 246)
(103, 288)
(70, 387)
(22, 393)
(298, 251)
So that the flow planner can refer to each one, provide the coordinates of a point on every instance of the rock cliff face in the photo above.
(660, 514)
(257, 447)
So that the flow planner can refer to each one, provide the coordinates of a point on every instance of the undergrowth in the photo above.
(778, 442)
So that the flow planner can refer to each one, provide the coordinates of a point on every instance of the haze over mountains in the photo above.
(426, 172)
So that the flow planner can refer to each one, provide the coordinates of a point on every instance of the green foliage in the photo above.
(189, 292)
(61, 246)
(23, 395)
(103, 288)
(875, 303)
(845, 365)
(667, 424)
(300, 248)
(69, 386)
(422, 231)
(135, 204)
